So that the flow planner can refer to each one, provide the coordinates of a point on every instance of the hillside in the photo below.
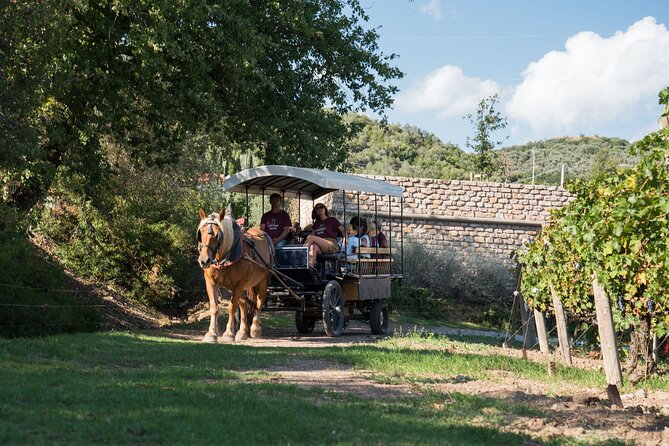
(582, 157)
(409, 151)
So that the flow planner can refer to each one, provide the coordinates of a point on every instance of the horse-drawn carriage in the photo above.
(338, 288)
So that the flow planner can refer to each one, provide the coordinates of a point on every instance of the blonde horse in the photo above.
(236, 261)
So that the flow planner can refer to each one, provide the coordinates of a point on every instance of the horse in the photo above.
(238, 261)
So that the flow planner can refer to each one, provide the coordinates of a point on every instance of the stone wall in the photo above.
(487, 218)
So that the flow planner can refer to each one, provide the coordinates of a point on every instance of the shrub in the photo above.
(31, 304)
(416, 301)
(480, 285)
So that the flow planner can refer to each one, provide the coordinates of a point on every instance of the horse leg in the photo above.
(260, 293)
(213, 293)
(242, 333)
(229, 334)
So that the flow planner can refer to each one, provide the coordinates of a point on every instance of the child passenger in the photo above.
(356, 239)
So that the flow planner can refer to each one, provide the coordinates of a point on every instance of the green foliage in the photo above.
(31, 302)
(444, 280)
(138, 237)
(402, 151)
(617, 230)
(487, 121)
(583, 157)
(411, 152)
(414, 301)
(153, 77)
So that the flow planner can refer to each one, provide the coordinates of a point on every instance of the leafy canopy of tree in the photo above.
(152, 76)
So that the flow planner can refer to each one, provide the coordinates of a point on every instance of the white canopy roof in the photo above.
(303, 182)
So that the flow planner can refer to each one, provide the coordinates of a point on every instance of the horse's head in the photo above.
(212, 237)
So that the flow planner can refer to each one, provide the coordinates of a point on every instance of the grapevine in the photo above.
(617, 230)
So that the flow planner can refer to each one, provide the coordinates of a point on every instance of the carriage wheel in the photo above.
(304, 324)
(333, 308)
(378, 318)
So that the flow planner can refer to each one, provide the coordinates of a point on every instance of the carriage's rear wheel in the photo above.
(378, 318)
(333, 308)
(304, 324)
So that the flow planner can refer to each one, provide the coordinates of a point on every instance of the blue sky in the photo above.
(561, 68)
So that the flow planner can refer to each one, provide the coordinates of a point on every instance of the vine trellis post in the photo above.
(607, 336)
(540, 322)
(561, 321)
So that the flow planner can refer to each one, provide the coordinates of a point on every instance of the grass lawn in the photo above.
(134, 388)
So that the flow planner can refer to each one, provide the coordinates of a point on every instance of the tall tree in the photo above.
(486, 121)
(151, 77)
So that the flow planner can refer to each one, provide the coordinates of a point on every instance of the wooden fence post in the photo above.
(607, 337)
(529, 331)
(561, 321)
(541, 331)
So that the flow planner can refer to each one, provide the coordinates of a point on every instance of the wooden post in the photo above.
(514, 316)
(541, 331)
(561, 320)
(529, 331)
(607, 337)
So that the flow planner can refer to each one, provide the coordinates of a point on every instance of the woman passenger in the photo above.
(326, 229)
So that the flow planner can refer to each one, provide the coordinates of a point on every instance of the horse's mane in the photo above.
(228, 234)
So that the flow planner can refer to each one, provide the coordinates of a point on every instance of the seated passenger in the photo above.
(360, 227)
(326, 229)
(276, 222)
(377, 238)
(354, 241)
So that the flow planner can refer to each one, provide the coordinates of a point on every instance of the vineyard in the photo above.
(614, 234)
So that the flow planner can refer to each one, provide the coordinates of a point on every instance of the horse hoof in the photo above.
(210, 338)
(256, 333)
(228, 337)
(241, 336)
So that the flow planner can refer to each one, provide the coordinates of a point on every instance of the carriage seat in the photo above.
(373, 266)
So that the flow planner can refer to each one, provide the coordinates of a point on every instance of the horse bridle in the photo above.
(212, 220)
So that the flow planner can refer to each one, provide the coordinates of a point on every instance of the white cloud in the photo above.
(433, 9)
(448, 92)
(595, 80)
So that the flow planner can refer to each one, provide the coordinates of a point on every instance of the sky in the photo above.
(560, 68)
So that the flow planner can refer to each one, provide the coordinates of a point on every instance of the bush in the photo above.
(480, 285)
(29, 305)
(416, 301)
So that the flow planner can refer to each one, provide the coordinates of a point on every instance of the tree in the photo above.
(486, 121)
(152, 77)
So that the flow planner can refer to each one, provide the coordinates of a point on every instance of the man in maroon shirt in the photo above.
(276, 222)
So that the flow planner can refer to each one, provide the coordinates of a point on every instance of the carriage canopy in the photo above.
(304, 183)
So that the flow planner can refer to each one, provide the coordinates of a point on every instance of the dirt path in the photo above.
(570, 410)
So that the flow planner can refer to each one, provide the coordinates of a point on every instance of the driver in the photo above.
(276, 222)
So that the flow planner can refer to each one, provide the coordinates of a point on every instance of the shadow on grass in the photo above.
(121, 388)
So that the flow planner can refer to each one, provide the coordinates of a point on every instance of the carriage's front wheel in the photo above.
(378, 318)
(333, 308)
(304, 324)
